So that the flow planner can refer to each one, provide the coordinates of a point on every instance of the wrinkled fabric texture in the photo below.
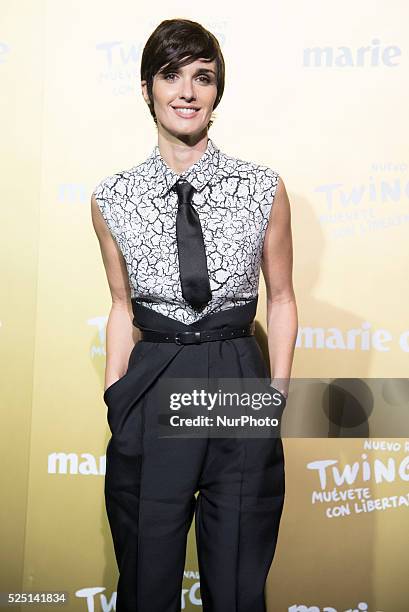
(151, 482)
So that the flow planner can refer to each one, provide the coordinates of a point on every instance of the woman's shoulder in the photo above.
(248, 168)
(115, 182)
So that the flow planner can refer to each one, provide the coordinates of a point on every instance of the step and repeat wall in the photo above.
(318, 92)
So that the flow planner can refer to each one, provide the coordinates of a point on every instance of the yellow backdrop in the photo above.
(317, 91)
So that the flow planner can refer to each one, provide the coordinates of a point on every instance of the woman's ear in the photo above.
(145, 91)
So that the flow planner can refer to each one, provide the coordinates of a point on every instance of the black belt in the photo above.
(197, 337)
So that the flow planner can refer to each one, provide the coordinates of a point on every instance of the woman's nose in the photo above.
(187, 90)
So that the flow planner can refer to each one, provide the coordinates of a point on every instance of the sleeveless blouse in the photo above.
(233, 199)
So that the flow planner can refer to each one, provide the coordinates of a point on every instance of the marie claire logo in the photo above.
(354, 340)
(84, 464)
(72, 193)
(347, 57)
(100, 323)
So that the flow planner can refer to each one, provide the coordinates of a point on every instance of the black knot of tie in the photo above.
(185, 192)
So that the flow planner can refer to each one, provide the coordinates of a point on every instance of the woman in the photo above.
(183, 236)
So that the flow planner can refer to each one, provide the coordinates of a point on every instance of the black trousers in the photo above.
(151, 482)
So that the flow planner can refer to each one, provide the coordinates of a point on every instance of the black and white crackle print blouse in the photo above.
(233, 199)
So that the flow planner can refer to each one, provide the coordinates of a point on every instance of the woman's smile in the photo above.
(185, 112)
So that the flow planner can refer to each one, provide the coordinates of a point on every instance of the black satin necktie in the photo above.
(194, 276)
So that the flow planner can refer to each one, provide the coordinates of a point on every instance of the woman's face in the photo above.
(193, 86)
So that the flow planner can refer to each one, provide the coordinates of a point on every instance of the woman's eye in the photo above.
(202, 76)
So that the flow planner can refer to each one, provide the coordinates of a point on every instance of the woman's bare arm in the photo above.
(276, 264)
(121, 334)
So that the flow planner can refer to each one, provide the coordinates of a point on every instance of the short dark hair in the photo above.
(174, 39)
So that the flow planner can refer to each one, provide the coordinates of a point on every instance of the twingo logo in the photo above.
(346, 57)
(95, 595)
(376, 203)
(376, 191)
(120, 59)
(72, 463)
(378, 471)
(117, 53)
(361, 607)
(89, 594)
(191, 595)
